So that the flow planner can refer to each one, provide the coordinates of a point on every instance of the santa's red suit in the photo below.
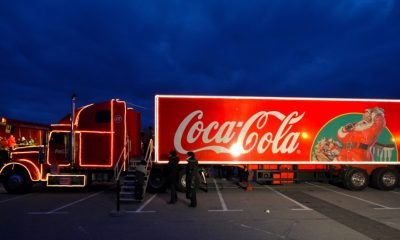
(358, 140)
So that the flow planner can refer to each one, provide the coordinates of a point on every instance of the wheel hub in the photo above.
(358, 179)
(389, 179)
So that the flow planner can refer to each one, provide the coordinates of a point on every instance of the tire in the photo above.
(356, 179)
(385, 179)
(181, 182)
(17, 182)
(203, 180)
(374, 177)
(157, 181)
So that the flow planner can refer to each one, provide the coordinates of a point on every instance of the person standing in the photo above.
(11, 141)
(141, 170)
(191, 179)
(172, 175)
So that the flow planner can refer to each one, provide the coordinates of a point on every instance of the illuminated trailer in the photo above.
(281, 139)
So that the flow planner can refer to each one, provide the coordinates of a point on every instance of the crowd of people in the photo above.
(10, 142)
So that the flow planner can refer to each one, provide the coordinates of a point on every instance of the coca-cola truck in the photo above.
(275, 140)
(282, 140)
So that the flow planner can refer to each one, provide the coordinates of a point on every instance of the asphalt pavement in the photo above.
(225, 211)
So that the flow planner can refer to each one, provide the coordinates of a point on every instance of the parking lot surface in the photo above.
(225, 211)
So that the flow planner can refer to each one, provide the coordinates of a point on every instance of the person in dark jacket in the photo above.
(172, 175)
(191, 179)
(139, 184)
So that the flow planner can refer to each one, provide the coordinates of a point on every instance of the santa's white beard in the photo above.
(363, 125)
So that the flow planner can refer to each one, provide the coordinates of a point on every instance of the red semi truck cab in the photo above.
(106, 135)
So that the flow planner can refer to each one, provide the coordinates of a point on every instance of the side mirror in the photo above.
(41, 155)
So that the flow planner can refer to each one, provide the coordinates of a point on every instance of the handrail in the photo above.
(149, 162)
(117, 172)
(149, 151)
(125, 151)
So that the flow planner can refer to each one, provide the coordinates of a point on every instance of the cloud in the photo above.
(133, 50)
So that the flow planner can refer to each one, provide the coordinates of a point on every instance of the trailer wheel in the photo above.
(385, 179)
(356, 179)
(17, 182)
(201, 175)
(203, 180)
(181, 183)
(157, 181)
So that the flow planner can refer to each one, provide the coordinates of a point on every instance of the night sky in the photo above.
(134, 49)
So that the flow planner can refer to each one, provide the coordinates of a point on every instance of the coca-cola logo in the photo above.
(243, 135)
(59, 151)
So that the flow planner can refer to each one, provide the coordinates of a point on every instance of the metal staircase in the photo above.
(135, 182)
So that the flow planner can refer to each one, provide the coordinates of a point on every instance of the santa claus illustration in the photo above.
(359, 138)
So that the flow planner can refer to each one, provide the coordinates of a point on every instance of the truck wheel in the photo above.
(156, 182)
(17, 182)
(181, 183)
(356, 179)
(203, 180)
(385, 179)
(374, 177)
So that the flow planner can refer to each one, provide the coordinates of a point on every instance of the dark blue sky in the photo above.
(132, 50)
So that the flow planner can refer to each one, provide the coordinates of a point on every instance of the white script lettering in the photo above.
(215, 135)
